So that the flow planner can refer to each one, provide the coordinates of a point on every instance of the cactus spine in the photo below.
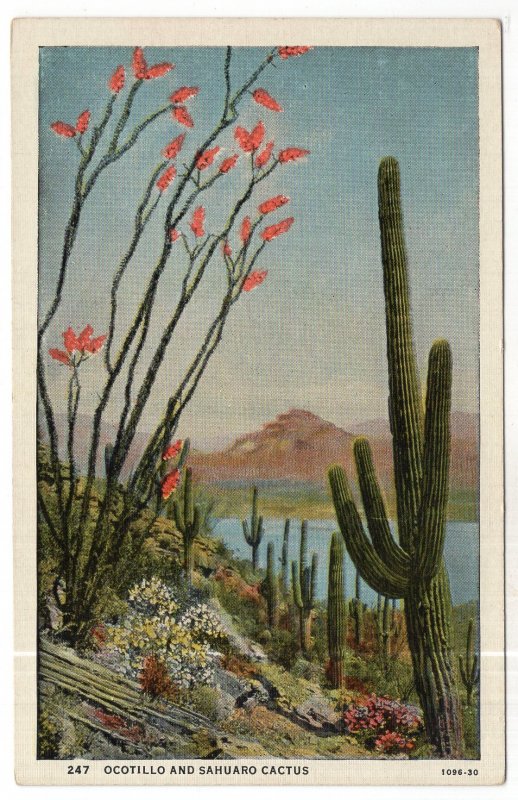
(303, 585)
(469, 669)
(285, 569)
(187, 518)
(336, 613)
(270, 588)
(413, 567)
(253, 533)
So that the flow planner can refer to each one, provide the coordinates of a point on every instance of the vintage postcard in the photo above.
(258, 401)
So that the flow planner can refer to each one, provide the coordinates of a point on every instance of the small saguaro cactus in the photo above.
(285, 567)
(187, 518)
(253, 533)
(386, 629)
(303, 586)
(270, 588)
(336, 613)
(469, 668)
(412, 566)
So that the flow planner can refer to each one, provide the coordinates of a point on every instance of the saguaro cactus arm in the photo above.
(384, 543)
(436, 461)
(382, 578)
(295, 584)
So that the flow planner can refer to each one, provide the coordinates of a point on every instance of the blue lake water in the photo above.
(460, 553)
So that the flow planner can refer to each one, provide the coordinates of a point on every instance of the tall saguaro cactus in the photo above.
(303, 585)
(187, 518)
(336, 613)
(412, 568)
(253, 533)
(270, 588)
(356, 610)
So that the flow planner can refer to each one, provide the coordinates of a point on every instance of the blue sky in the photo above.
(312, 335)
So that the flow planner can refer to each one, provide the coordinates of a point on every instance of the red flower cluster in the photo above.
(264, 156)
(205, 159)
(249, 141)
(196, 224)
(174, 147)
(166, 178)
(384, 724)
(262, 97)
(246, 229)
(174, 235)
(276, 230)
(273, 203)
(170, 483)
(172, 450)
(392, 743)
(141, 70)
(254, 279)
(179, 111)
(69, 131)
(289, 52)
(228, 163)
(291, 154)
(117, 80)
(83, 344)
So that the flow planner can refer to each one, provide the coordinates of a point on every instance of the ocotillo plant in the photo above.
(200, 209)
(253, 533)
(187, 520)
(412, 568)
(108, 452)
(469, 669)
(303, 588)
(285, 568)
(270, 588)
(336, 613)
(356, 610)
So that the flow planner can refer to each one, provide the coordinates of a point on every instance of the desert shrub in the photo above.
(283, 647)
(383, 724)
(179, 634)
(204, 700)
(154, 678)
(49, 735)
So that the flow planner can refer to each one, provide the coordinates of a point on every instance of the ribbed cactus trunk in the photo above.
(303, 587)
(357, 610)
(412, 568)
(285, 568)
(253, 533)
(187, 518)
(336, 613)
(271, 588)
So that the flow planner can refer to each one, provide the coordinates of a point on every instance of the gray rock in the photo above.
(245, 647)
(318, 715)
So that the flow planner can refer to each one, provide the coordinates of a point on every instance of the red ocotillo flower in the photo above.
(169, 483)
(205, 159)
(117, 80)
(275, 230)
(226, 248)
(60, 355)
(157, 70)
(289, 52)
(70, 340)
(181, 115)
(174, 147)
(291, 154)
(83, 121)
(63, 129)
(254, 279)
(139, 64)
(184, 93)
(273, 203)
(249, 141)
(84, 337)
(228, 163)
(246, 229)
(262, 97)
(174, 235)
(198, 218)
(166, 178)
(172, 450)
(264, 155)
(94, 345)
